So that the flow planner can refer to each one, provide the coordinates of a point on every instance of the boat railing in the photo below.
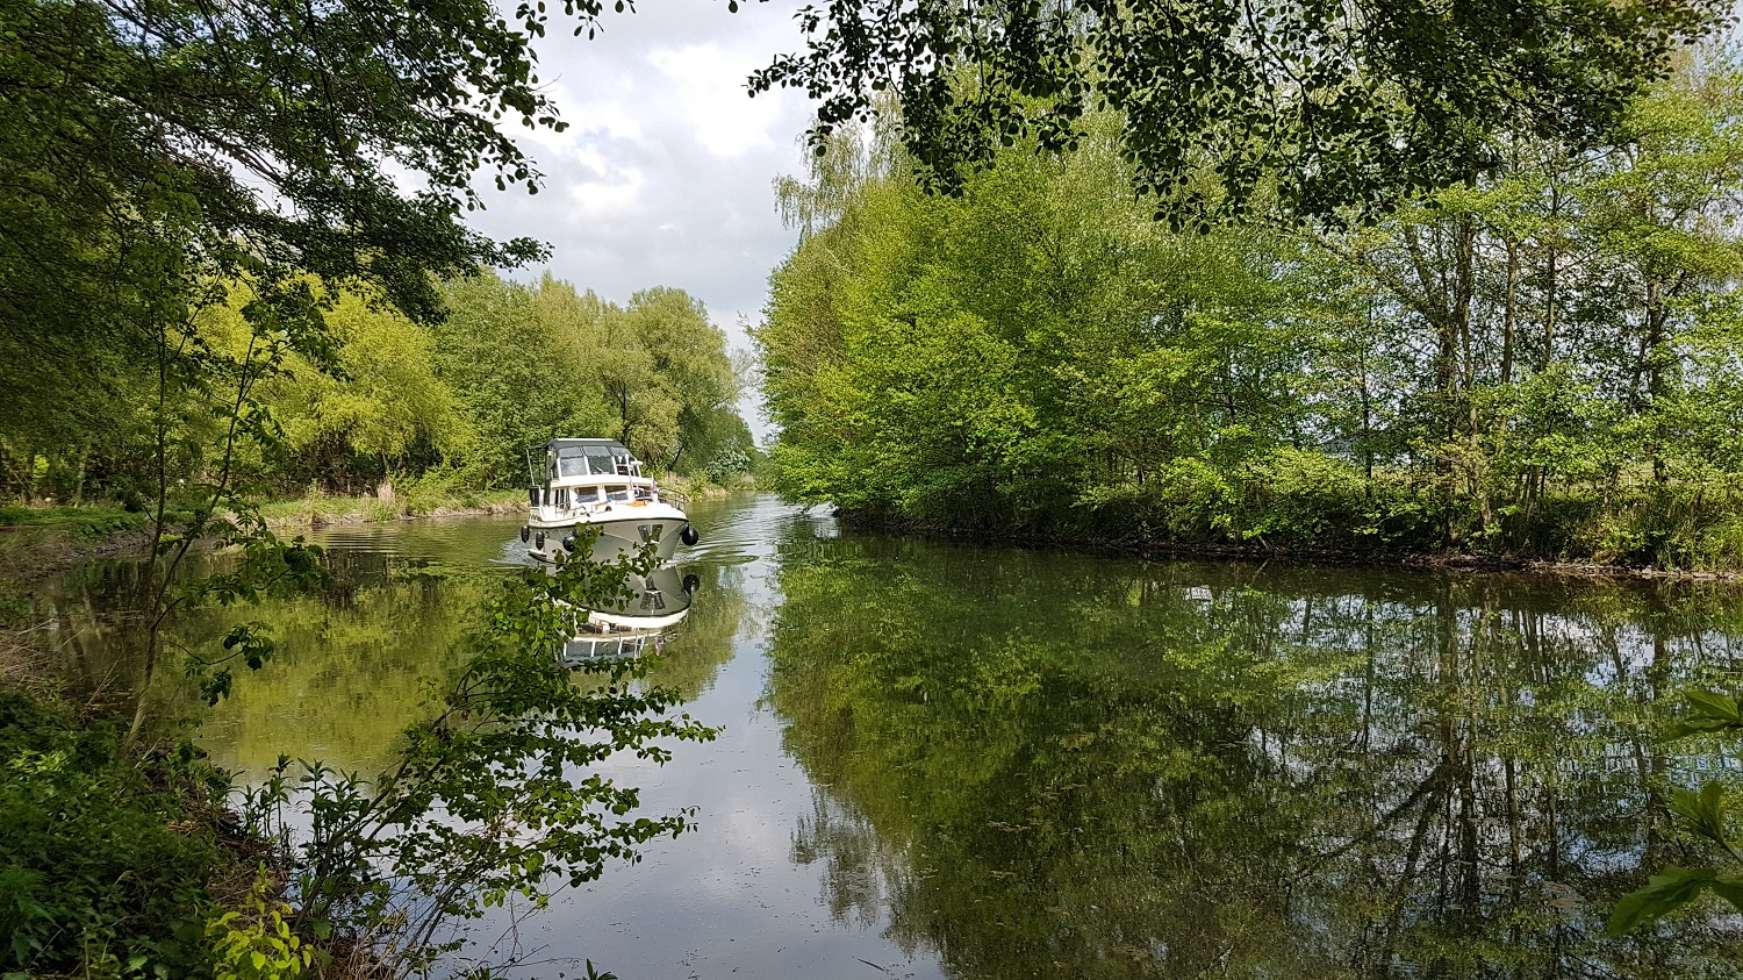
(539, 500)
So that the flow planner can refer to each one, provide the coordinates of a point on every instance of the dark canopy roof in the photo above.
(611, 444)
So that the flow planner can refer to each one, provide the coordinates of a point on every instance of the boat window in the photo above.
(599, 462)
(617, 493)
(570, 462)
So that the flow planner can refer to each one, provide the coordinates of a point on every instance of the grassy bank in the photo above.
(701, 488)
(40, 540)
(36, 540)
(322, 509)
(116, 862)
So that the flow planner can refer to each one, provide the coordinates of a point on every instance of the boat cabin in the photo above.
(580, 474)
(566, 460)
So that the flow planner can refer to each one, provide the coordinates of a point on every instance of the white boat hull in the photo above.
(623, 532)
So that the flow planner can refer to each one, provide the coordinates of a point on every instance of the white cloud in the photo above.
(615, 194)
(708, 84)
(663, 174)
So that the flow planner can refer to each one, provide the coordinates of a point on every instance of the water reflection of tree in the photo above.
(352, 666)
(351, 671)
(1129, 771)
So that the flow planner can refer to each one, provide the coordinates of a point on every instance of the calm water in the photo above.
(941, 760)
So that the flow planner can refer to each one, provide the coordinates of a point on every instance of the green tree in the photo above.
(381, 409)
(687, 356)
(1315, 105)
(155, 152)
(1532, 364)
(515, 370)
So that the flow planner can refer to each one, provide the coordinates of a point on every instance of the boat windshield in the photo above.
(588, 462)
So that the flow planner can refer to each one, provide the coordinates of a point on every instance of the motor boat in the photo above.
(596, 483)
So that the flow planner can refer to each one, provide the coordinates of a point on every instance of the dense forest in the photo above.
(387, 401)
(1541, 360)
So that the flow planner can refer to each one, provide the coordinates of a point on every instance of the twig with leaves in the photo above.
(1702, 813)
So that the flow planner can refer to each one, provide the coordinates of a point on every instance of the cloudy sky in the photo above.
(663, 177)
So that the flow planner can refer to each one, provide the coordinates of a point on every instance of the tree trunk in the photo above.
(1509, 313)
(1552, 284)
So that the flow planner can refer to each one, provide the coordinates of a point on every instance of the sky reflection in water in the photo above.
(947, 760)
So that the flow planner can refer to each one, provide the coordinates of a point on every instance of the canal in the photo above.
(946, 760)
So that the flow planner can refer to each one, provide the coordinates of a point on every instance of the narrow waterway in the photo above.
(940, 759)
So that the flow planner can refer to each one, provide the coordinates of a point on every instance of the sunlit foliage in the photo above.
(1540, 363)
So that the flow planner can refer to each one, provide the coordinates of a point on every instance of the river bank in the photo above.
(135, 855)
(36, 541)
(1157, 549)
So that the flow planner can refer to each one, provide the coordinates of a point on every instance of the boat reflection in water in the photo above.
(658, 602)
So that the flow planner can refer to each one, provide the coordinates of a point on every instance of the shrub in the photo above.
(255, 942)
(100, 868)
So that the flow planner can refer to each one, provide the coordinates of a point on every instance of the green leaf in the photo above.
(1665, 892)
(1702, 810)
(1709, 711)
(1731, 890)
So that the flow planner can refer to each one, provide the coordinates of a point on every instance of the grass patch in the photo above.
(92, 521)
(413, 501)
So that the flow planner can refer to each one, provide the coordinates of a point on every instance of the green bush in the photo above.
(101, 869)
(256, 942)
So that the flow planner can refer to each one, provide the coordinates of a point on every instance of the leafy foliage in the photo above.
(496, 793)
(256, 942)
(1699, 812)
(1316, 105)
(397, 406)
(530, 364)
(100, 864)
(1539, 364)
(156, 154)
